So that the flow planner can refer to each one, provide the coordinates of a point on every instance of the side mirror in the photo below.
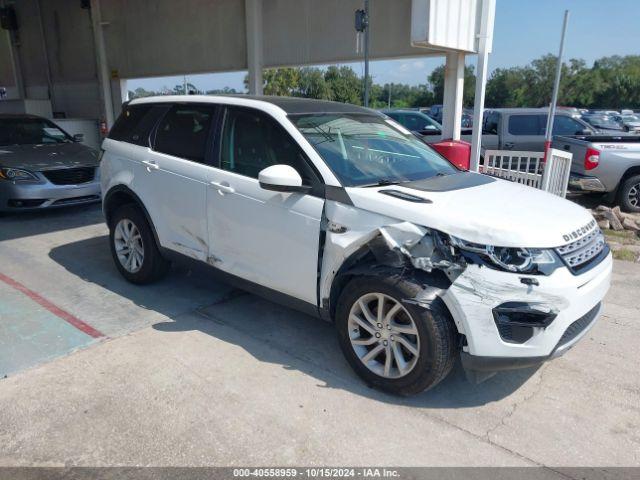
(78, 137)
(281, 178)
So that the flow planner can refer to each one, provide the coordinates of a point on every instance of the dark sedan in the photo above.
(42, 166)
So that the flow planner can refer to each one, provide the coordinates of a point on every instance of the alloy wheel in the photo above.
(383, 335)
(128, 245)
(634, 195)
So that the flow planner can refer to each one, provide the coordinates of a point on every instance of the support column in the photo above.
(101, 60)
(484, 47)
(453, 89)
(16, 67)
(253, 23)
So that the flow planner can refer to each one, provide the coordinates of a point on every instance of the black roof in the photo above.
(294, 105)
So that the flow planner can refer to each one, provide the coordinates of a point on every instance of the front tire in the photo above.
(630, 194)
(134, 248)
(392, 344)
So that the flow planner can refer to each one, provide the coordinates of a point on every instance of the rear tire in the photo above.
(434, 337)
(629, 195)
(134, 248)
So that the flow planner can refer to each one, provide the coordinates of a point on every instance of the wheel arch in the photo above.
(120, 195)
(363, 263)
(629, 172)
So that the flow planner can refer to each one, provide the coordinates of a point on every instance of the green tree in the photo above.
(312, 84)
(344, 84)
(436, 81)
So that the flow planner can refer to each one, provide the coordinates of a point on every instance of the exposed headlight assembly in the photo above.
(518, 260)
(16, 174)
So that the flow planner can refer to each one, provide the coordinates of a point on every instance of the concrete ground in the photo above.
(190, 372)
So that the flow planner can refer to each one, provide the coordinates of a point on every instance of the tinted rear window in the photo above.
(184, 132)
(526, 124)
(135, 123)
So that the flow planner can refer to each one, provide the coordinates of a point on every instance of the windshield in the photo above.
(30, 131)
(630, 118)
(604, 122)
(364, 149)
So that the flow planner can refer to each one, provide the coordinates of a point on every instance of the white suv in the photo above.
(340, 212)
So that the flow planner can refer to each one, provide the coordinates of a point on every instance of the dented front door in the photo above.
(267, 237)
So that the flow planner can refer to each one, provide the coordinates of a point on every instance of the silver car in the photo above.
(629, 123)
(42, 166)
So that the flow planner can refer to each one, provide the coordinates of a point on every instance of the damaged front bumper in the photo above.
(575, 300)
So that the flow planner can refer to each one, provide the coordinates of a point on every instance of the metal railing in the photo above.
(529, 168)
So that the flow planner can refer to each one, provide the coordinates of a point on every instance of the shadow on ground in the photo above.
(26, 224)
(270, 332)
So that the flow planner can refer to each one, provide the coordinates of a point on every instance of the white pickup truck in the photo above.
(341, 212)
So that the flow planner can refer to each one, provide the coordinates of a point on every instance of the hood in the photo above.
(480, 209)
(47, 156)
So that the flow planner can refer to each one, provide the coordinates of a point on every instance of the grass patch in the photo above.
(624, 254)
(626, 237)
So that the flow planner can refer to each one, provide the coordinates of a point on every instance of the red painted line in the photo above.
(57, 311)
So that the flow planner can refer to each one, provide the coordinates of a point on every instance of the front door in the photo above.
(266, 237)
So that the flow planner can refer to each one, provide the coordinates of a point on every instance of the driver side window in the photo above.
(563, 125)
(252, 141)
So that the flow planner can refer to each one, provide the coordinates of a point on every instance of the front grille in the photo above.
(579, 253)
(577, 327)
(70, 176)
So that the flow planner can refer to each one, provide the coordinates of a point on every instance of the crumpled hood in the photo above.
(499, 213)
(47, 156)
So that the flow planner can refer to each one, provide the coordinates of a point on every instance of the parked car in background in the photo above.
(524, 128)
(629, 123)
(606, 112)
(337, 211)
(605, 164)
(435, 112)
(602, 122)
(415, 121)
(42, 166)
(467, 118)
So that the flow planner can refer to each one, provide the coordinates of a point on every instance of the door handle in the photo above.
(508, 145)
(223, 188)
(151, 165)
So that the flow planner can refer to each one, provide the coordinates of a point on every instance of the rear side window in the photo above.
(184, 132)
(413, 122)
(136, 122)
(526, 124)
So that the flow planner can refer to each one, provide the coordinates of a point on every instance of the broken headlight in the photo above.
(510, 259)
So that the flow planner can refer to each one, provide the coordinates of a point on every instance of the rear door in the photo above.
(490, 129)
(266, 237)
(524, 132)
(175, 178)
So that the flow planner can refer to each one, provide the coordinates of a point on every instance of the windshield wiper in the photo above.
(383, 182)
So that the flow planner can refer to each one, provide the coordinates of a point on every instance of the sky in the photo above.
(524, 30)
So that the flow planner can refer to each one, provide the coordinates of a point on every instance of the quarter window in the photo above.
(184, 132)
(252, 141)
